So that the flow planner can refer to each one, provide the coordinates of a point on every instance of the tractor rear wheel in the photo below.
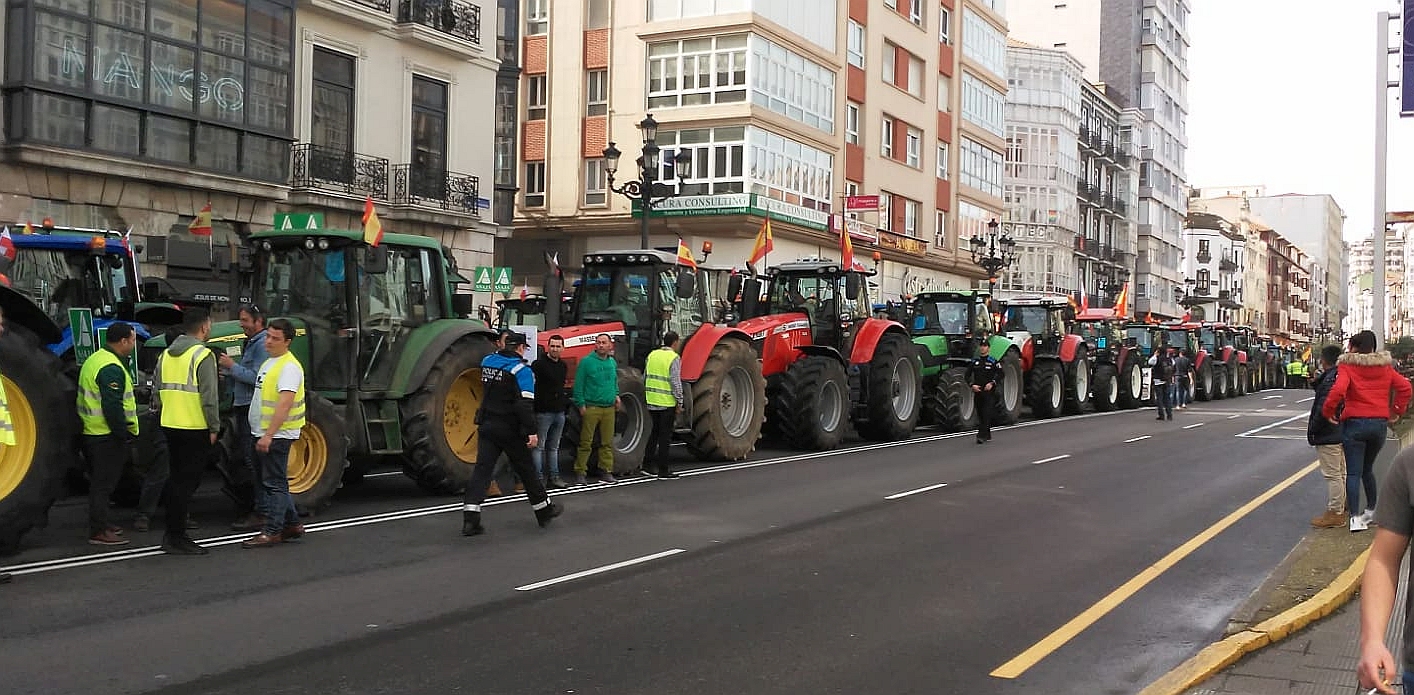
(1131, 384)
(31, 469)
(439, 418)
(1220, 384)
(1203, 385)
(1009, 390)
(1047, 391)
(1106, 388)
(810, 403)
(949, 402)
(1077, 390)
(319, 457)
(632, 427)
(728, 404)
(894, 391)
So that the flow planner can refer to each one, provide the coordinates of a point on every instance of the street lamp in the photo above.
(993, 254)
(646, 189)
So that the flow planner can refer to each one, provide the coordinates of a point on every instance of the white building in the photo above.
(1214, 256)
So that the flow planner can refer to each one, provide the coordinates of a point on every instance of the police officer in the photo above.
(108, 413)
(985, 373)
(507, 424)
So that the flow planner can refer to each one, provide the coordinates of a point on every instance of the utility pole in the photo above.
(1382, 87)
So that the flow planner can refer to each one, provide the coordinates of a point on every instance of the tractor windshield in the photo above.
(307, 285)
(940, 318)
(59, 280)
(1032, 319)
(1142, 337)
(1209, 339)
(615, 294)
(1176, 338)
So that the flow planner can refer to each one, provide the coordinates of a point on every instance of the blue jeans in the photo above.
(550, 427)
(1163, 399)
(1362, 438)
(273, 497)
(1182, 392)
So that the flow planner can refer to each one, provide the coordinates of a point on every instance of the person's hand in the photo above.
(1333, 421)
(989, 387)
(225, 361)
(213, 437)
(581, 411)
(533, 441)
(263, 444)
(618, 404)
(976, 388)
(1375, 667)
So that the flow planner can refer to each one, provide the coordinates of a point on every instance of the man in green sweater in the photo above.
(596, 394)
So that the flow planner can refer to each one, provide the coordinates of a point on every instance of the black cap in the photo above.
(514, 339)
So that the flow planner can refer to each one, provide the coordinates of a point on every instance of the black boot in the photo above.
(544, 514)
(666, 473)
(471, 524)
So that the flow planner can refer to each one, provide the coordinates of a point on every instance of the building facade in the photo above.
(1138, 49)
(1069, 186)
(1214, 259)
(785, 107)
(134, 114)
(1397, 289)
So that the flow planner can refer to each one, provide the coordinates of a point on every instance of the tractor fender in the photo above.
(1200, 359)
(20, 311)
(700, 345)
(1070, 347)
(822, 351)
(866, 341)
(428, 343)
(1028, 354)
(1241, 357)
(777, 338)
(1227, 354)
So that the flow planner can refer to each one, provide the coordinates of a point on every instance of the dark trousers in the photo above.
(246, 455)
(154, 479)
(983, 403)
(662, 437)
(107, 454)
(190, 450)
(496, 439)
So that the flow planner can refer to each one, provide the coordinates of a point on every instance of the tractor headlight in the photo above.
(323, 244)
(309, 244)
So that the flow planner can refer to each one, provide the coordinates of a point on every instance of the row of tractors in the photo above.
(796, 354)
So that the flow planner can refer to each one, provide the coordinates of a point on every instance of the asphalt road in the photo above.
(1046, 557)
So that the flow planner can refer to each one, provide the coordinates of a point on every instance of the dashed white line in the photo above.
(899, 495)
(1137, 439)
(1053, 458)
(1307, 399)
(1196, 424)
(1268, 398)
(1234, 417)
(600, 570)
(1264, 428)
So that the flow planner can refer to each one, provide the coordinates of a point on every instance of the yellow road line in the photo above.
(1034, 654)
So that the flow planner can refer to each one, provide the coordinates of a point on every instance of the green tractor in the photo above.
(393, 373)
(946, 328)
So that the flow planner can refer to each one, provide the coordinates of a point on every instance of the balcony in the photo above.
(1120, 208)
(1090, 247)
(1107, 150)
(447, 190)
(452, 17)
(1107, 201)
(1085, 139)
(1227, 265)
(315, 167)
(1204, 257)
(1088, 192)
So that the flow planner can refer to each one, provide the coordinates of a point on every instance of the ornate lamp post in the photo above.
(646, 189)
(995, 253)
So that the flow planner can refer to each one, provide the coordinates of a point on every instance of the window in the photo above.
(940, 229)
(886, 211)
(891, 4)
(851, 189)
(912, 81)
(984, 43)
(596, 93)
(332, 101)
(537, 17)
(596, 14)
(536, 97)
(535, 184)
(983, 104)
(914, 140)
(718, 159)
(911, 210)
(595, 184)
(429, 138)
(887, 133)
(1203, 249)
(981, 167)
(944, 26)
(944, 93)
(942, 160)
(856, 44)
(782, 168)
(890, 63)
(693, 72)
(915, 12)
(851, 123)
(792, 85)
(915, 76)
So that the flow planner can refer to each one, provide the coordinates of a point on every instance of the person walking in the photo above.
(1325, 436)
(187, 398)
(277, 413)
(1365, 382)
(507, 425)
(1183, 378)
(662, 389)
(985, 371)
(243, 376)
(108, 412)
(596, 394)
(550, 374)
(1161, 377)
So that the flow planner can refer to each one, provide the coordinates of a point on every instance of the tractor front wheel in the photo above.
(1077, 390)
(31, 468)
(1047, 392)
(319, 457)
(1106, 388)
(810, 403)
(632, 427)
(1009, 390)
(728, 404)
(439, 418)
(949, 403)
(1131, 384)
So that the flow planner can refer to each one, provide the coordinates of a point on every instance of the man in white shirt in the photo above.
(277, 413)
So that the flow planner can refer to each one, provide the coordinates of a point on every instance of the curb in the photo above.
(1226, 652)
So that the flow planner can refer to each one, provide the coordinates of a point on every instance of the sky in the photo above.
(1282, 94)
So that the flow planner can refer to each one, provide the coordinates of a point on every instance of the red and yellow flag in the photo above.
(201, 226)
(1122, 302)
(27, 229)
(685, 255)
(846, 248)
(764, 243)
(372, 228)
(1149, 318)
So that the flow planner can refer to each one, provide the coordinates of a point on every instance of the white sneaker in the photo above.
(1357, 524)
(1368, 517)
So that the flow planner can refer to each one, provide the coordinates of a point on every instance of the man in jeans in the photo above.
(1183, 377)
(277, 412)
(550, 402)
(1162, 379)
(243, 373)
(1325, 436)
(596, 394)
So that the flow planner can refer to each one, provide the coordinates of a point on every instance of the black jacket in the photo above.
(1319, 430)
(508, 397)
(985, 370)
(550, 393)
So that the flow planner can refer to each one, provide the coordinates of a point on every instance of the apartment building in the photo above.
(1138, 50)
(134, 114)
(1397, 290)
(1070, 189)
(1214, 258)
(784, 107)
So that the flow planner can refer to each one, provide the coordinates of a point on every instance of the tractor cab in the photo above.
(1146, 337)
(951, 314)
(1040, 319)
(647, 292)
(832, 298)
(526, 311)
(1099, 328)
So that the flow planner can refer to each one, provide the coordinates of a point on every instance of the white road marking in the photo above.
(1260, 410)
(600, 570)
(1307, 399)
(1268, 398)
(1264, 428)
(1053, 458)
(1196, 424)
(899, 495)
(1233, 417)
(1136, 439)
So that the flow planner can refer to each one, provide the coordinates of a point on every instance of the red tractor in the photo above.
(1057, 363)
(635, 297)
(1210, 374)
(1228, 343)
(827, 361)
(1117, 360)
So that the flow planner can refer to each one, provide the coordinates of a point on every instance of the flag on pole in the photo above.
(201, 226)
(1149, 318)
(372, 228)
(27, 229)
(1084, 302)
(525, 290)
(764, 243)
(685, 255)
(1187, 316)
(1122, 302)
(846, 248)
(7, 245)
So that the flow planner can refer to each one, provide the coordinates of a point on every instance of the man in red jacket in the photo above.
(1366, 379)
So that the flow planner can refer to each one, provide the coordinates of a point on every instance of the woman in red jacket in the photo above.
(1364, 384)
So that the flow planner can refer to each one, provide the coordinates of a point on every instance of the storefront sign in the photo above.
(485, 278)
(738, 204)
(859, 231)
(861, 203)
(119, 68)
(305, 221)
(898, 242)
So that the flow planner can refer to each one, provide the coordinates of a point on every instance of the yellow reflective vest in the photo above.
(657, 379)
(269, 395)
(179, 391)
(91, 398)
(7, 426)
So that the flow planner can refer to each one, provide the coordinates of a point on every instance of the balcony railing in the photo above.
(1092, 247)
(1120, 207)
(460, 19)
(331, 169)
(1227, 264)
(435, 188)
(1204, 256)
(1085, 138)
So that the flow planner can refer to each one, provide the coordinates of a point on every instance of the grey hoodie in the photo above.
(205, 381)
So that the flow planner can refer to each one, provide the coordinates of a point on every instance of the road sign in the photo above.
(304, 221)
(81, 327)
(503, 280)
(481, 278)
(861, 203)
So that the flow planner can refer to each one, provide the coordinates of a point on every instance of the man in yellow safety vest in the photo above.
(187, 397)
(662, 390)
(277, 413)
(108, 413)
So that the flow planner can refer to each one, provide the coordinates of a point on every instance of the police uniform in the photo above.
(506, 420)
(985, 371)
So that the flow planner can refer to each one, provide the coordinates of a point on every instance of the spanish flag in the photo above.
(372, 228)
(1149, 318)
(685, 255)
(1122, 302)
(846, 248)
(764, 243)
(27, 229)
(201, 226)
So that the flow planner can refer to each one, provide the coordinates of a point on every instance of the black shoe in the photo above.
(545, 514)
(1159, 417)
(182, 546)
(471, 524)
(665, 474)
(1170, 417)
(981, 440)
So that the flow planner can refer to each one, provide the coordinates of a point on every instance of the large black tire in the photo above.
(1011, 388)
(31, 471)
(1047, 389)
(1203, 384)
(1131, 383)
(1237, 381)
(1077, 383)
(949, 402)
(632, 427)
(1106, 388)
(810, 403)
(1220, 383)
(728, 404)
(895, 391)
(318, 459)
(439, 418)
